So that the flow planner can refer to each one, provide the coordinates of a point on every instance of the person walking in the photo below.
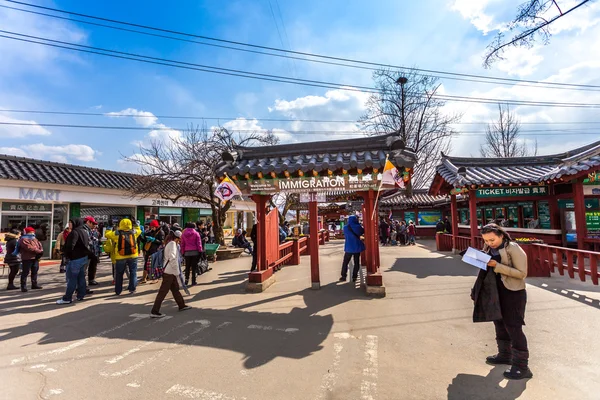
(152, 239)
(172, 272)
(191, 248)
(126, 254)
(60, 242)
(31, 251)
(12, 260)
(509, 268)
(353, 246)
(77, 252)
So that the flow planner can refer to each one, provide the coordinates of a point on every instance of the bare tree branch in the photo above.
(186, 167)
(502, 137)
(532, 25)
(427, 129)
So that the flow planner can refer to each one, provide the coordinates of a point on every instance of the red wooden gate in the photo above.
(272, 231)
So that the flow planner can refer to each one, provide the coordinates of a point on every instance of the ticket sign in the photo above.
(593, 221)
(509, 191)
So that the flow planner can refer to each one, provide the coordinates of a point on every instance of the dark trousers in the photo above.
(514, 334)
(347, 258)
(92, 269)
(33, 266)
(13, 270)
(253, 258)
(191, 264)
(169, 282)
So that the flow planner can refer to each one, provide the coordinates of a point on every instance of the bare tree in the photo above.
(502, 137)
(284, 202)
(532, 23)
(186, 167)
(427, 129)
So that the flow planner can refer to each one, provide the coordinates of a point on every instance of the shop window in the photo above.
(59, 219)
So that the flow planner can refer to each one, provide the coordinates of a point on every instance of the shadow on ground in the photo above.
(477, 387)
(265, 341)
(425, 267)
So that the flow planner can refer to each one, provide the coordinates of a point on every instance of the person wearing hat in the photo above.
(171, 277)
(31, 251)
(152, 239)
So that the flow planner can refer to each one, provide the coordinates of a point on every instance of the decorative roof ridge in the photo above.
(340, 145)
(64, 165)
(402, 192)
(583, 152)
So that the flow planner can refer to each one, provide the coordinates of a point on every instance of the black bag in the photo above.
(202, 266)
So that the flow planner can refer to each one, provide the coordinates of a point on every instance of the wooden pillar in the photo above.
(454, 218)
(473, 217)
(314, 244)
(580, 221)
(374, 279)
(554, 210)
(298, 218)
(261, 226)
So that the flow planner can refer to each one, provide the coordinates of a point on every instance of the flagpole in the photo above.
(380, 186)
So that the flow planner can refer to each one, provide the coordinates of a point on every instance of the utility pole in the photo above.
(402, 81)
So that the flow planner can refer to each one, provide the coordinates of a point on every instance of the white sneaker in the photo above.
(61, 301)
(157, 315)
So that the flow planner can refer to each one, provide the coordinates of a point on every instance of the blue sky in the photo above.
(434, 34)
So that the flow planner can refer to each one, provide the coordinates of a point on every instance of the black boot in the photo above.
(23, 288)
(503, 356)
(520, 366)
(36, 286)
(11, 286)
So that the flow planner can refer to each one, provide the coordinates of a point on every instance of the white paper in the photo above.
(476, 258)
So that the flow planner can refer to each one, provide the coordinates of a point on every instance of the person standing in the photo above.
(172, 271)
(126, 254)
(412, 232)
(31, 251)
(383, 231)
(12, 260)
(353, 246)
(77, 252)
(509, 265)
(152, 239)
(60, 242)
(191, 248)
(253, 237)
(91, 228)
(447, 225)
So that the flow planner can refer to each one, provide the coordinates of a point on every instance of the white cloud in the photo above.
(20, 131)
(475, 12)
(520, 61)
(249, 126)
(64, 154)
(143, 118)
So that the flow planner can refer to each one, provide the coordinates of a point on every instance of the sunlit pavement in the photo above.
(295, 343)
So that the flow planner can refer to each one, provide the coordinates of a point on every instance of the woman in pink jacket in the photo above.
(191, 248)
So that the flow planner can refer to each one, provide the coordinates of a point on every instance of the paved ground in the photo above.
(295, 343)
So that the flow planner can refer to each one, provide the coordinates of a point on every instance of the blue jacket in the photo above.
(352, 232)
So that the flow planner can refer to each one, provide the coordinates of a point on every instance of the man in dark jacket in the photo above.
(77, 251)
(12, 260)
(152, 239)
(352, 247)
(447, 225)
(253, 237)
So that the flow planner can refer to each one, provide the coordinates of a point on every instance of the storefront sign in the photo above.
(512, 191)
(308, 197)
(593, 221)
(590, 204)
(310, 184)
(39, 194)
(26, 207)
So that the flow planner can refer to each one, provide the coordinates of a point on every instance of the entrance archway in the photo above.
(352, 166)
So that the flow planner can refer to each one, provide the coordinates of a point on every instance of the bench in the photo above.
(211, 251)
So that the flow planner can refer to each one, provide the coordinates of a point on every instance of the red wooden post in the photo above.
(261, 225)
(554, 210)
(314, 244)
(295, 260)
(594, 268)
(473, 217)
(580, 221)
(454, 217)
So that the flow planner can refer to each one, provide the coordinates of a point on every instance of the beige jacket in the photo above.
(513, 268)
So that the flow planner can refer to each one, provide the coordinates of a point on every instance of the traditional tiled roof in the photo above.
(32, 170)
(335, 155)
(420, 198)
(518, 170)
(27, 169)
